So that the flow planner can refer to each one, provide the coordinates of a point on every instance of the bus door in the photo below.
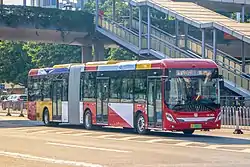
(102, 100)
(57, 96)
(154, 102)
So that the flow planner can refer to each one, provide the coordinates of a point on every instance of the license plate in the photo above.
(196, 126)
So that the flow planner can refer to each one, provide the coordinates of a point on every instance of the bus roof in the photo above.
(119, 65)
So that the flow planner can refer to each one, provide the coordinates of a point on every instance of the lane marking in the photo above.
(44, 131)
(211, 147)
(87, 147)
(105, 136)
(81, 134)
(47, 160)
(65, 132)
(129, 138)
(156, 140)
(184, 143)
(246, 150)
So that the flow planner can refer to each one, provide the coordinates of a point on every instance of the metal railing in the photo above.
(235, 117)
(156, 43)
(19, 107)
(169, 49)
(193, 45)
(230, 67)
(121, 32)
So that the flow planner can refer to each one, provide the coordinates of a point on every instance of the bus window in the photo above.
(34, 92)
(115, 90)
(140, 90)
(89, 89)
(127, 90)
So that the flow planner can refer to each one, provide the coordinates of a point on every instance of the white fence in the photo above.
(236, 117)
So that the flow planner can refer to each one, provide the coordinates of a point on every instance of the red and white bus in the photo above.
(169, 94)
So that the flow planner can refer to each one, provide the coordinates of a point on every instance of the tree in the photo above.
(14, 63)
(120, 54)
(121, 10)
(47, 55)
(17, 58)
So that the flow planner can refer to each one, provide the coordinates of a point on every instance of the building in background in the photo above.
(62, 4)
(11, 88)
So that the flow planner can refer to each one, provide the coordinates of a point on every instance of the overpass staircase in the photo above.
(161, 44)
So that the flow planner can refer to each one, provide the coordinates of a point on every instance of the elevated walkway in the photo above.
(199, 17)
(164, 45)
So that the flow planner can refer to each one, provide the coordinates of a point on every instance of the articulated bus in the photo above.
(169, 94)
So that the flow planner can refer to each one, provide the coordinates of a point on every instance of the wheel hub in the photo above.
(141, 124)
(87, 120)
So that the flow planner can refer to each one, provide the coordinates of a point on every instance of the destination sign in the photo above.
(193, 72)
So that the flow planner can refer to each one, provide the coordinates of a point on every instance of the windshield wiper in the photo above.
(178, 107)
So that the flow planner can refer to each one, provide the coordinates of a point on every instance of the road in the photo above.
(30, 144)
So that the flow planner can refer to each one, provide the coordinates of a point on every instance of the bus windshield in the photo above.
(193, 93)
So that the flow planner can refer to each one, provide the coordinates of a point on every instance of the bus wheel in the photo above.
(188, 131)
(46, 120)
(140, 124)
(88, 120)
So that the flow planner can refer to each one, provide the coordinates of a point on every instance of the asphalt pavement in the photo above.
(30, 144)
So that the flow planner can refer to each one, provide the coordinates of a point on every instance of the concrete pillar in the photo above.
(243, 14)
(39, 3)
(186, 35)
(214, 44)
(203, 46)
(24, 3)
(238, 16)
(243, 54)
(113, 10)
(57, 4)
(140, 26)
(32, 3)
(99, 51)
(86, 54)
(176, 32)
(81, 4)
(149, 29)
(97, 12)
(130, 15)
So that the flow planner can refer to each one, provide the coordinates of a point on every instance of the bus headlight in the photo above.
(170, 118)
(218, 117)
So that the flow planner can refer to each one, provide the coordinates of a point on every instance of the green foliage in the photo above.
(120, 54)
(121, 9)
(47, 55)
(63, 20)
(17, 58)
(14, 63)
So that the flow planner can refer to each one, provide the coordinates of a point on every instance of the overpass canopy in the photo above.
(199, 17)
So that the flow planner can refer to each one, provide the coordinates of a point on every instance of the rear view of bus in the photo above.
(191, 95)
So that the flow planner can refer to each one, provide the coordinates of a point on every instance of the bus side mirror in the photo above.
(167, 85)
(221, 84)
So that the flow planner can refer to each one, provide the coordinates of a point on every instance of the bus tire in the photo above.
(88, 120)
(188, 131)
(46, 120)
(140, 124)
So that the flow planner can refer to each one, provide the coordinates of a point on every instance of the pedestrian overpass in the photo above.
(143, 38)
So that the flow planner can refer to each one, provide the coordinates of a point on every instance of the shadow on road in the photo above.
(19, 123)
(206, 139)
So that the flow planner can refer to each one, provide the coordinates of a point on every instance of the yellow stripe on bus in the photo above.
(102, 62)
(143, 66)
(61, 66)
